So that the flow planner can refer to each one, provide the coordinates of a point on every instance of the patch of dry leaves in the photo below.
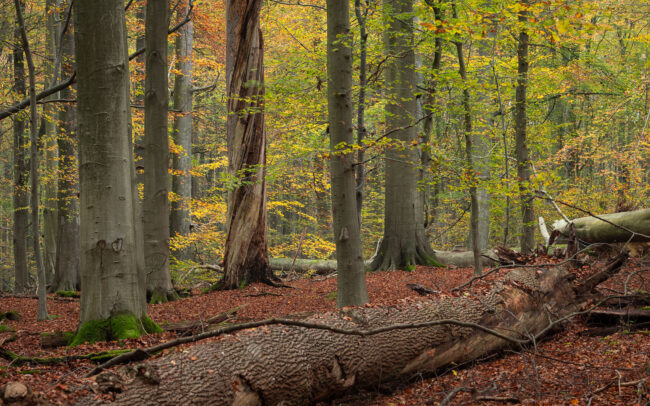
(567, 368)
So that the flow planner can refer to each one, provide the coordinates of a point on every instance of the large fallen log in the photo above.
(285, 361)
(633, 226)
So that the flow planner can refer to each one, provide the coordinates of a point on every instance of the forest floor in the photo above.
(568, 367)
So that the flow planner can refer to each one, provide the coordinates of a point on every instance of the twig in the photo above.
(453, 393)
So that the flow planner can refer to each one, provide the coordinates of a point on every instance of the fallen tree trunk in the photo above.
(632, 226)
(321, 357)
(461, 259)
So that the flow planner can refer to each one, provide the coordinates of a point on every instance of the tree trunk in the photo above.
(298, 363)
(401, 247)
(245, 255)
(21, 172)
(361, 103)
(182, 134)
(112, 298)
(521, 144)
(592, 230)
(67, 275)
(469, 152)
(351, 285)
(33, 160)
(156, 155)
(48, 121)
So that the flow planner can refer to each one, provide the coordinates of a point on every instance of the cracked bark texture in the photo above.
(245, 254)
(156, 154)
(294, 365)
(110, 280)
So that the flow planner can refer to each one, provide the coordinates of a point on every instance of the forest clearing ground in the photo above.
(565, 369)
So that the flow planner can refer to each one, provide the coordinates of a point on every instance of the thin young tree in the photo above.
(521, 145)
(33, 160)
(351, 283)
(66, 273)
(21, 173)
(113, 302)
(245, 254)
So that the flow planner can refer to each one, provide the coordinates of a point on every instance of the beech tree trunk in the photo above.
(300, 364)
(245, 255)
(66, 274)
(402, 245)
(182, 134)
(156, 154)
(351, 284)
(527, 239)
(21, 173)
(110, 281)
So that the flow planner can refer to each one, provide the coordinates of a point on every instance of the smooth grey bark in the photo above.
(351, 281)
(402, 246)
(180, 219)
(67, 274)
(246, 257)
(469, 152)
(483, 124)
(527, 240)
(21, 173)
(156, 154)
(361, 102)
(110, 281)
(431, 110)
(33, 159)
(51, 151)
(594, 230)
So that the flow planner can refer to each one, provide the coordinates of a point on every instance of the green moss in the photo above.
(104, 356)
(331, 296)
(150, 326)
(5, 329)
(31, 371)
(66, 293)
(118, 327)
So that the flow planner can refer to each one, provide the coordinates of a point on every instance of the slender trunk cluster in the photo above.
(67, 273)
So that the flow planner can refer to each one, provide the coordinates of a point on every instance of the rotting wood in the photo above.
(304, 361)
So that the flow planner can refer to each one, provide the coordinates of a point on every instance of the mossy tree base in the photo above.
(117, 327)
(160, 296)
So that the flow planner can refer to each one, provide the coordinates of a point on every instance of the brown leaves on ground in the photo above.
(566, 368)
